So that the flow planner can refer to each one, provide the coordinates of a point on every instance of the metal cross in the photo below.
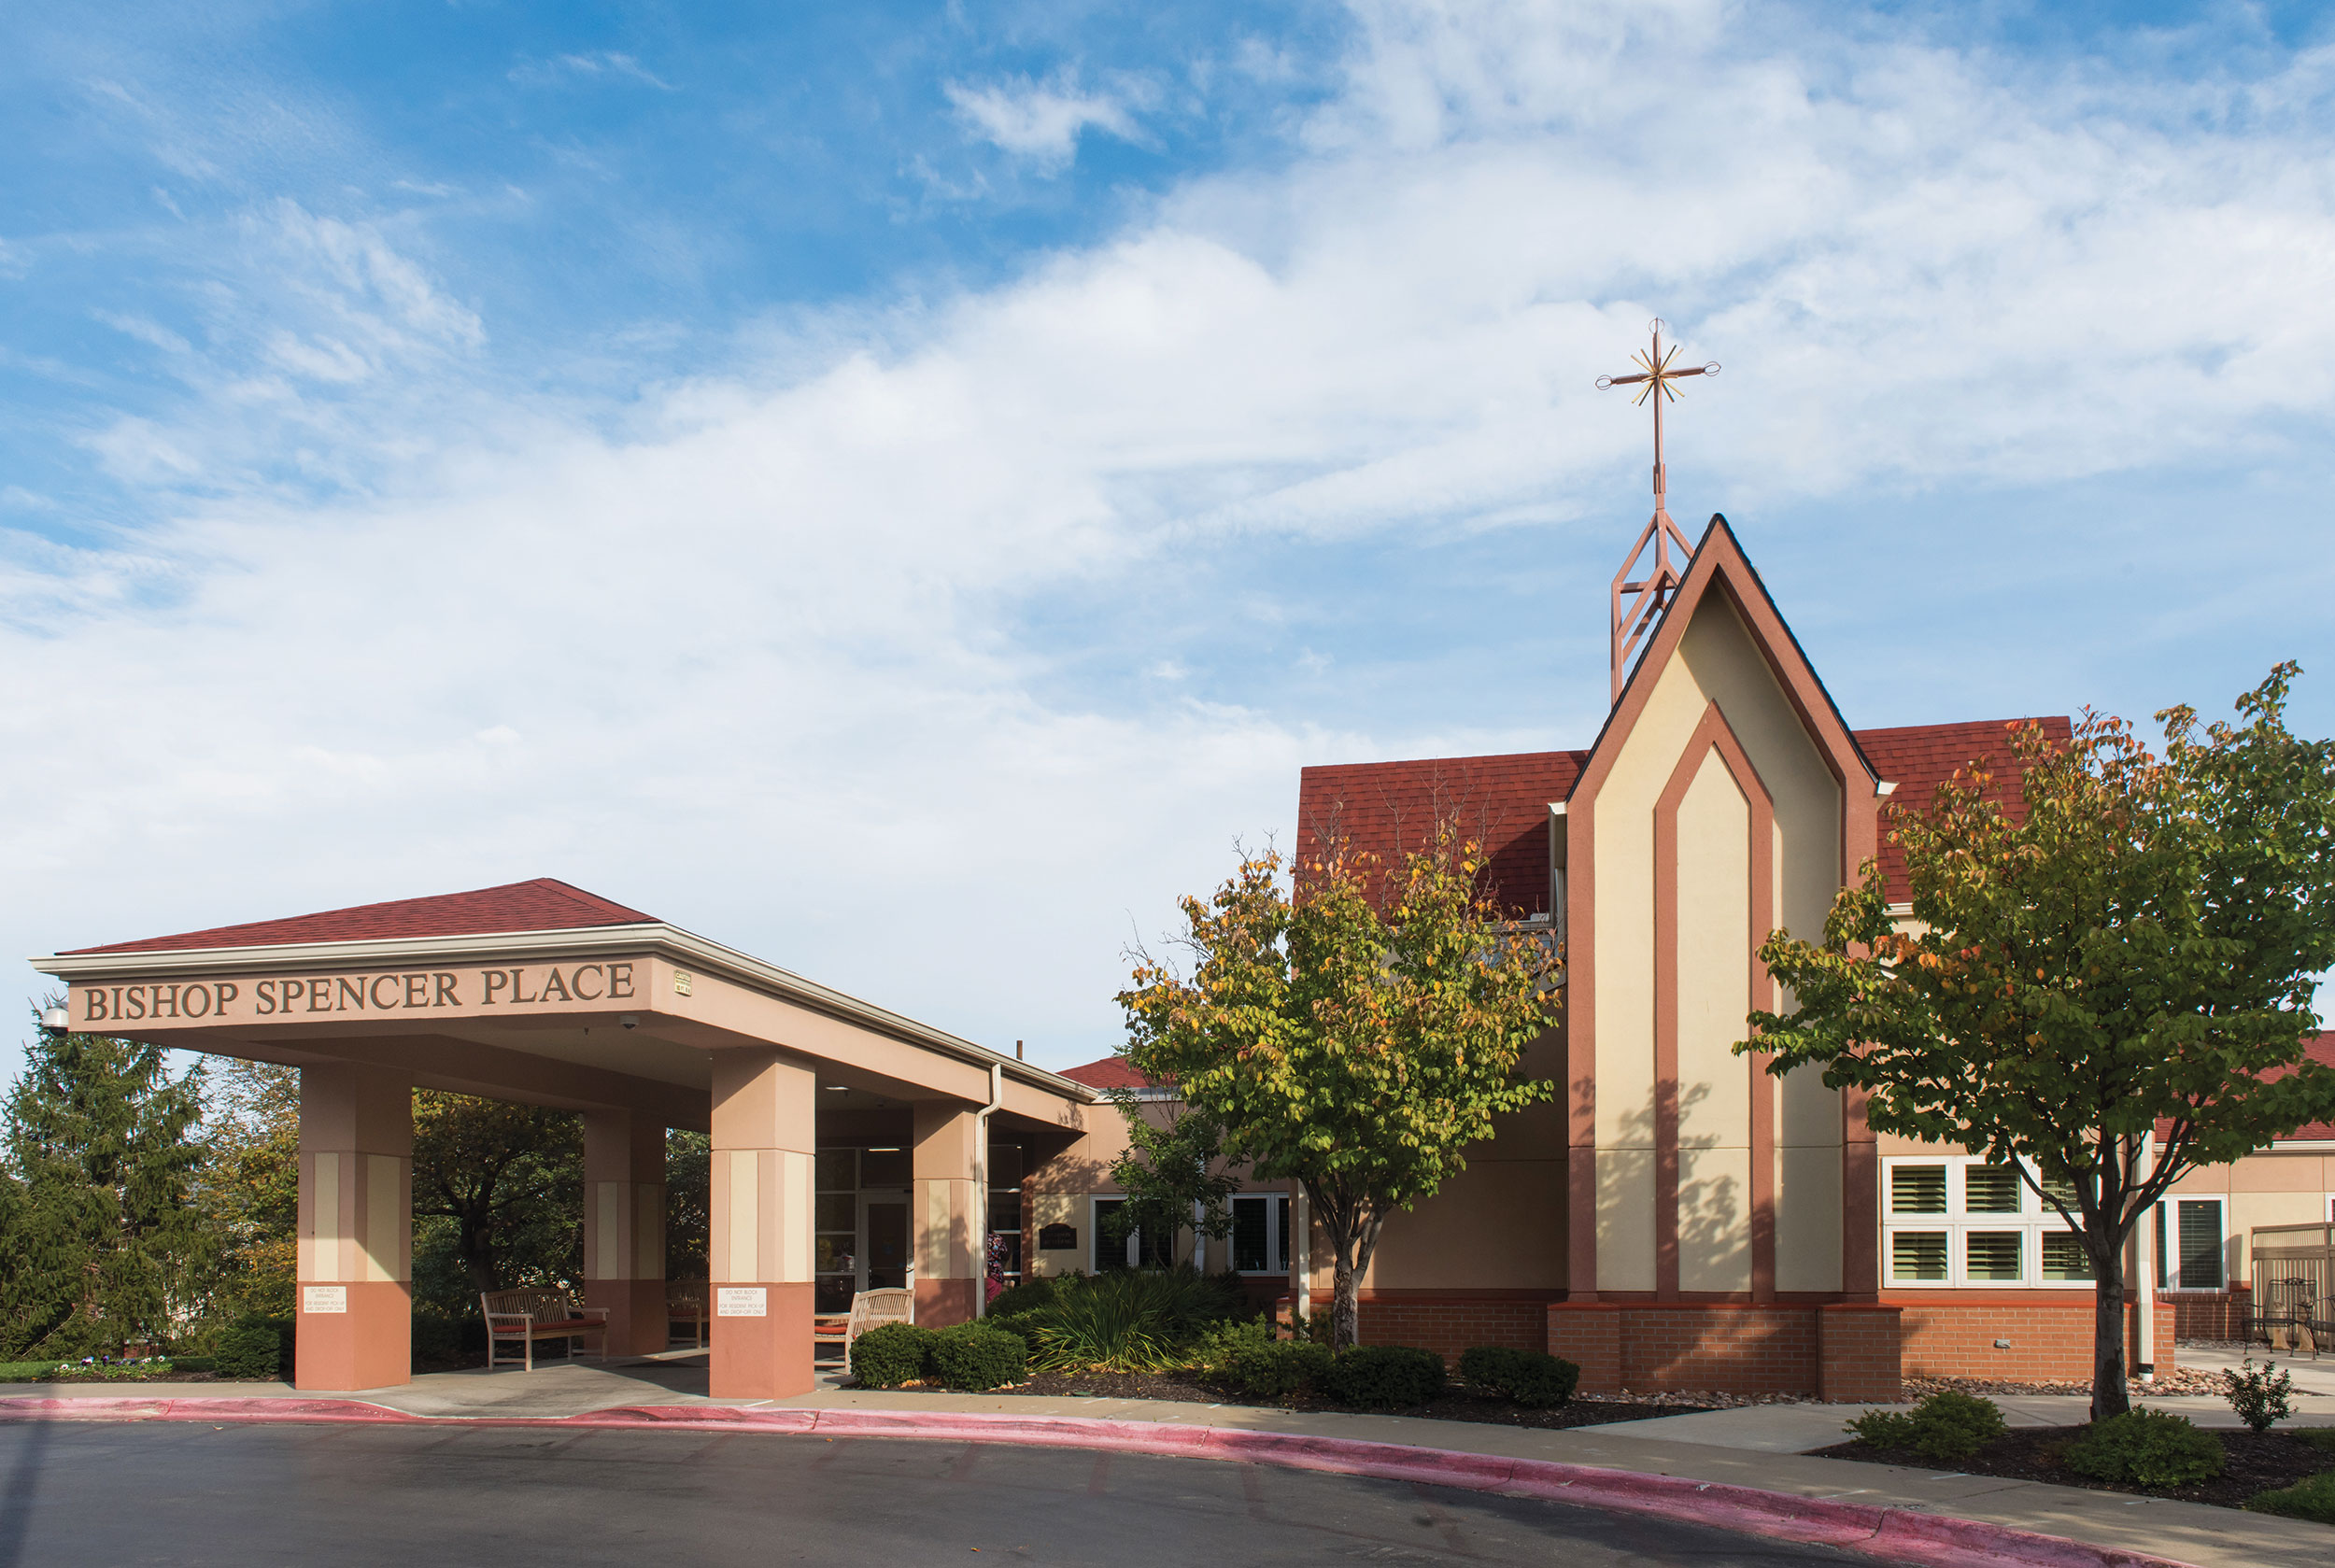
(1648, 596)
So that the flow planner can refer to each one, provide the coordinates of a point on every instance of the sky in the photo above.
(902, 489)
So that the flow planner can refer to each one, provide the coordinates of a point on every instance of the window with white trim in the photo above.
(2190, 1236)
(1138, 1252)
(1950, 1220)
(1260, 1233)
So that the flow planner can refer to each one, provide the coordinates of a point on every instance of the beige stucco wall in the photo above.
(2266, 1188)
(1717, 660)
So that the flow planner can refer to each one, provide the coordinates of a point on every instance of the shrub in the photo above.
(1533, 1378)
(1128, 1321)
(1275, 1368)
(2318, 1437)
(1218, 1343)
(971, 1357)
(254, 1347)
(2258, 1394)
(890, 1354)
(2313, 1498)
(1028, 1296)
(1945, 1426)
(436, 1338)
(1021, 1326)
(194, 1364)
(1383, 1376)
(2149, 1449)
(1487, 1367)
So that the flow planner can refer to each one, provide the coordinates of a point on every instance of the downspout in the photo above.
(1301, 1232)
(981, 1189)
(2144, 1269)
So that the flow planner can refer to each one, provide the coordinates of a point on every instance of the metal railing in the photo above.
(2291, 1271)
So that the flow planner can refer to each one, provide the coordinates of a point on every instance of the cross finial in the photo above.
(1646, 595)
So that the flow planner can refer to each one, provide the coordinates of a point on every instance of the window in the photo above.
(1961, 1221)
(1141, 1251)
(1260, 1234)
(2189, 1258)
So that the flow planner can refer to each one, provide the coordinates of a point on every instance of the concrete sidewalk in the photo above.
(1751, 1447)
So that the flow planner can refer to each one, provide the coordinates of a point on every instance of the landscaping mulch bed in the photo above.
(1452, 1406)
(2257, 1463)
(2177, 1381)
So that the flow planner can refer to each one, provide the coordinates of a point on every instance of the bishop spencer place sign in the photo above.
(404, 990)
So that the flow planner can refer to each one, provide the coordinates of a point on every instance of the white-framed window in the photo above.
(2189, 1239)
(1260, 1233)
(1139, 1251)
(1954, 1221)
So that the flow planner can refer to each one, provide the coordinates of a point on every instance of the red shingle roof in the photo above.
(1390, 808)
(1112, 1072)
(1922, 756)
(545, 904)
(2319, 1049)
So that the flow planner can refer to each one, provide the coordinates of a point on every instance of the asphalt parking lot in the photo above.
(197, 1493)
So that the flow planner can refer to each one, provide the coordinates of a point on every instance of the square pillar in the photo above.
(624, 1228)
(356, 1245)
(762, 1176)
(948, 1212)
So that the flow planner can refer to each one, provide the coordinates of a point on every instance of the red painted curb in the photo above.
(1898, 1534)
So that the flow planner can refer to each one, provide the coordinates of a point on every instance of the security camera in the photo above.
(630, 1020)
(56, 1020)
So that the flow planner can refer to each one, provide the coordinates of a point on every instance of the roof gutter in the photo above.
(704, 955)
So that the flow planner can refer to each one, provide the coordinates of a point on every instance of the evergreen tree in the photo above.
(103, 1240)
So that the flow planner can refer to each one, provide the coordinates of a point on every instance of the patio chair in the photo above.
(868, 1309)
(529, 1315)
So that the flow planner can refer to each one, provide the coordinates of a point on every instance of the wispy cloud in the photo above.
(585, 67)
(1042, 120)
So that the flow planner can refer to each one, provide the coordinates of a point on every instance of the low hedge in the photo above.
(255, 1347)
(1945, 1427)
(1274, 1368)
(1533, 1378)
(2152, 1449)
(971, 1357)
(890, 1354)
(2311, 1498)
(1383, 1376)
(26, 1371)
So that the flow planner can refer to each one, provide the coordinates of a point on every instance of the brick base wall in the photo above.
(1452, 1325)
(1845, 1353)
(2206, 1314)
(2051, 1337)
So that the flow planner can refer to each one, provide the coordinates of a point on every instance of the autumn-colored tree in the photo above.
(498, 1199)
(248, 1188)
(2135, 951)
(1358, 1038)
(1174, 1172)
(102, 1241)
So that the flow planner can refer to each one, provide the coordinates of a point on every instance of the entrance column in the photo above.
(762, 1180)
(947, 1213)
(356, 1245)
(624, 1228)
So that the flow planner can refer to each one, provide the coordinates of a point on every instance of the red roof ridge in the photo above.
(543, 904)
(1112, 1072)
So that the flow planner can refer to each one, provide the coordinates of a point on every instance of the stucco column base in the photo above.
(767, 1357)
(940, 1303)
(1589, 1334)
(370, 1346)
(636, 1314)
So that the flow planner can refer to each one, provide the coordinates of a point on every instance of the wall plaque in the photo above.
(743, 1301)
(324, 1298)
(1057, 1238)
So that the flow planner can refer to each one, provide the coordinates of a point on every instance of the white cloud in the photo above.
(1042, 121)
(767, 638)
(601, 63)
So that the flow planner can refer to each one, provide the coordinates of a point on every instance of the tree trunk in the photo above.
(2108, 1390)
(1345, 1298)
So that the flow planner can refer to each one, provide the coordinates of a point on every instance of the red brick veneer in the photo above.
(2050, 1334)
(1844, 1352)
(1452, 1324)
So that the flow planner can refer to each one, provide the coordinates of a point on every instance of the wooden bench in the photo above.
(684, 1303)
(529, 1315)
(868, 1309)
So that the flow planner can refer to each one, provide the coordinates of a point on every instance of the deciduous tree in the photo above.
(2135, 951)
(1358, 1039)
(506, 1181)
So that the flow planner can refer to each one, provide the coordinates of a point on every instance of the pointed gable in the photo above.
(545, 904)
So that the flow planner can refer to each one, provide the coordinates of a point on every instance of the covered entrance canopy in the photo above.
(541, 992)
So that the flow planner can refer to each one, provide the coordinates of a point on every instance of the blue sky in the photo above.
(900, 488)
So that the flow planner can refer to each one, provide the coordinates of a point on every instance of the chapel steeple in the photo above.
(1637, 603)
